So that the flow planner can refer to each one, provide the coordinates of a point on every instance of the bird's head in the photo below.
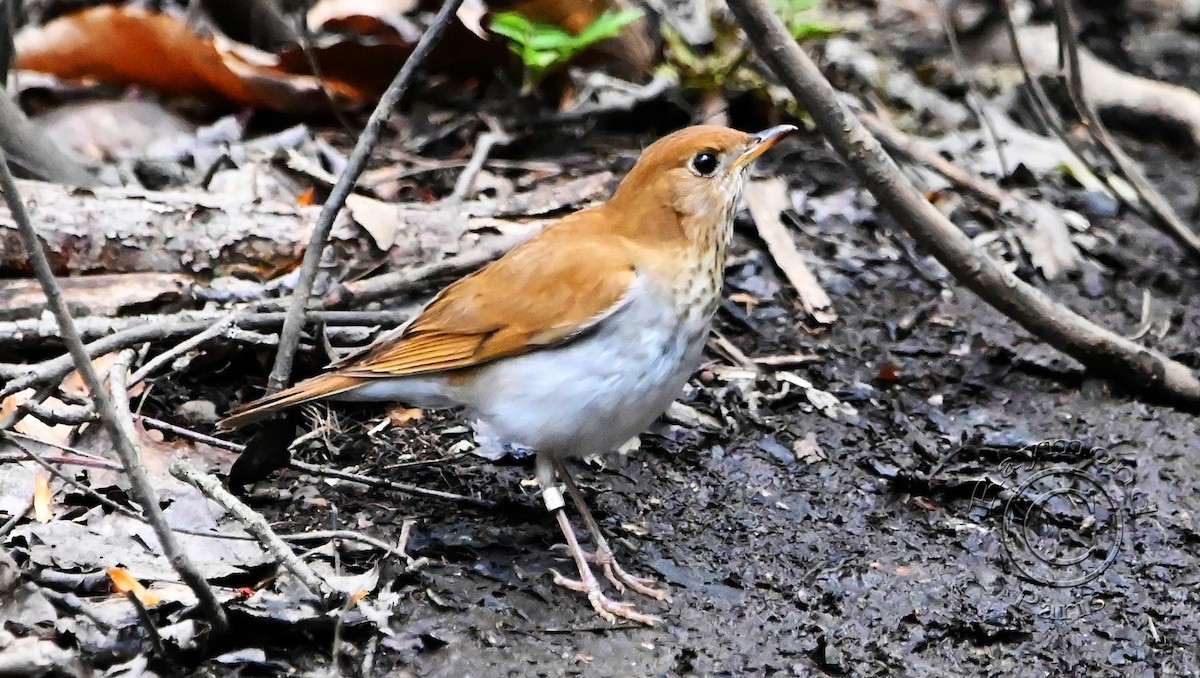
(689, 182)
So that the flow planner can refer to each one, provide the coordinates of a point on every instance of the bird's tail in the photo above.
(321, 386)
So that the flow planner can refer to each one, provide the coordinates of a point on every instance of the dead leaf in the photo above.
(42, 498)
(161, 52)
(766, 200)
(809, 450)
(11, 403)
(401, 416)
(363, 17)
(471, 14)
(380, 219)
(123, 582)
(689, 416)
(890, 372)
(74, 384)
(58, 434)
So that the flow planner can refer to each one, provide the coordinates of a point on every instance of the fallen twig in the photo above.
(118, 430)
(11, 419)
(151, 422)
(483, 146)
(348, 535)
(390, 485)
(1103, 351)
(1060, 254)
(1164, 215)
(35, 151)
(903, 145)
(1042, 108)
(258, 526)
(15, 518)
(143, 329)
(405, 281)
(48, 462)
(139, 479)
(289, 338)
(216, 330)
(973, 100)
(151, 629)
(71, 415)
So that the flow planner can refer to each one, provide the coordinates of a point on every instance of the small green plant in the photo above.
(543, 47)
(792, 12)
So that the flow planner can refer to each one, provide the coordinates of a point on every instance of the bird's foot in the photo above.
(606, 607)
(613, 571)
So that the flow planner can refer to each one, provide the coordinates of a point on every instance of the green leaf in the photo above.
(794, 6)
(542, 46)
(550, 38)
(607, 25)
(804, 30)
(512, 26)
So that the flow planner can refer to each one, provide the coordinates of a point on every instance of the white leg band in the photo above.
(553, 498)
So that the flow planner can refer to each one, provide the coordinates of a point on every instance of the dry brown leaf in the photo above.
(361, 17)
(11, 403)
(766, 200)
(401, 416)
(378, 218)
(42, 498)
(159, 51)
(360, 47)
(59, 434)
(123, 582)
(74, 385)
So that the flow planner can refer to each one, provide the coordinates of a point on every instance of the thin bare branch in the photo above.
(390, 485)
(1164, 215)
(973, 100)
(1103, 351)
(289, 338)
(258, 526)
(142, 329)
(118, 432)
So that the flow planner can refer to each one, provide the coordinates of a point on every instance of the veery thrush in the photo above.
(576, 340)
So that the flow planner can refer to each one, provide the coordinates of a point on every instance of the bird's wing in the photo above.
(544, 292)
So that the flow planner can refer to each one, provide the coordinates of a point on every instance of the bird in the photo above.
(573, 342)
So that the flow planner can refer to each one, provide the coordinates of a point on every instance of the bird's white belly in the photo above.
(587, 396)
(594, 393)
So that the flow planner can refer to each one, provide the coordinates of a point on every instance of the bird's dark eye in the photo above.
(705, 163)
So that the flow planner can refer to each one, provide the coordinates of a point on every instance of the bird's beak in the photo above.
(760, 143)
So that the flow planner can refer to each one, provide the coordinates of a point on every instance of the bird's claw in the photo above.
(604, 606)
(622, 579)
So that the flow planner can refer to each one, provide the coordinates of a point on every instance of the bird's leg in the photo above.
(604, 554)
(587, 583)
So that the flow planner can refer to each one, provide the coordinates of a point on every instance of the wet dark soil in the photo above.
(891, 551)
